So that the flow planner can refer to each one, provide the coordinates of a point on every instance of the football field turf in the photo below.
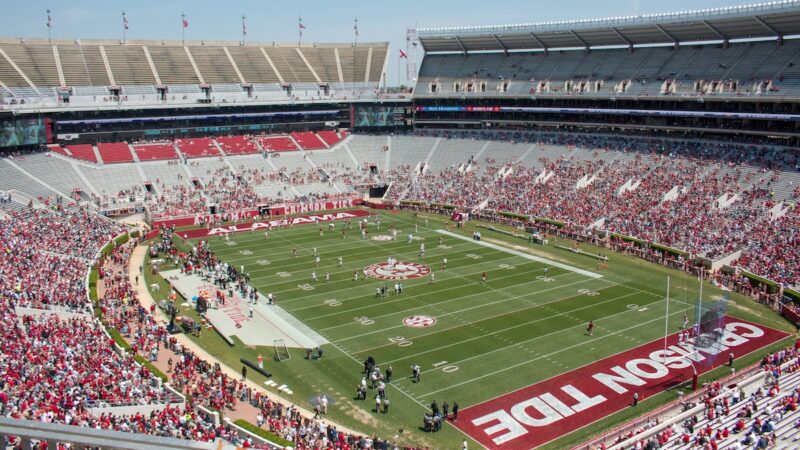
(474, 341)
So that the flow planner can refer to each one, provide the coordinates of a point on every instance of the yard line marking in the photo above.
(402, 391)
(405, 298)
(491, 333)
(523, 255)
(543, 356)
(472, 323)
(450, 313)
(325, 252)
(304, 276)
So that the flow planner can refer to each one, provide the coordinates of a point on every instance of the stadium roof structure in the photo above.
(776, 20)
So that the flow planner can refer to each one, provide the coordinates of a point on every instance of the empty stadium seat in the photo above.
(197, 147)
(115, 152)
(277, 144)
(308, 140)
(83, 152)
(237, 145)
(155, 152)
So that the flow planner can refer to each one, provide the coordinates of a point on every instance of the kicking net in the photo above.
(709, 327)
(281, 351)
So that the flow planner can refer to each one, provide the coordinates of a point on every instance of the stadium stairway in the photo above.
(133, 153)
(97, 155)
(36, 188)
(788, 383)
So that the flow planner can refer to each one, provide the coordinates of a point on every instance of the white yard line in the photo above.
(543, 356)
(450, 313)
(523, 255)
(493, 332)
(404, 298)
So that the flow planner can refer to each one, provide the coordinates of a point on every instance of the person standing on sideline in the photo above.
(388, 376)
(685, 321)
(445, 409)
(730, 359)
(244, 373)
(378, 403)
(455, 411)
(483, 279)
(635, 398)
(590, 327)
(433, 278)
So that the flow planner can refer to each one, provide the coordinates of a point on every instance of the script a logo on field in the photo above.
(419, 321)
(397, 271)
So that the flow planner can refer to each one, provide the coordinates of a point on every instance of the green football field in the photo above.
(526, 323)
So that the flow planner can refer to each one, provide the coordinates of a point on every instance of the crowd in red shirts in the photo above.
(733, 420)
(622, 186)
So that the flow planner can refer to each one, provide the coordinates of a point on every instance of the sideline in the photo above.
(500, 248)
(137, 259)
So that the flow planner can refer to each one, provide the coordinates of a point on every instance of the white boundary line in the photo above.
(613, 333)
(523, 255)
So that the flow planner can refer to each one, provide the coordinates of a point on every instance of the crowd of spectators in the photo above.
(729, 418)
(677, 194)
(46, 254)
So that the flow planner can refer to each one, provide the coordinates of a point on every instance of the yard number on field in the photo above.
(446, 368)
(400, 341)
(364, 320)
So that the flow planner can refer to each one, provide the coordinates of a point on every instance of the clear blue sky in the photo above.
(326, 21)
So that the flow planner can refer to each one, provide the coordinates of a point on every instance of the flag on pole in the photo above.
(185, 22)
(124, 21)
(49, 20)
(244, 26)
(403, 54)
(355, 27)
(301, 26)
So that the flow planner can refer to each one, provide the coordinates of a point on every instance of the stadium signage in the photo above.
(539, 413)
(277, 223)
(634, 112)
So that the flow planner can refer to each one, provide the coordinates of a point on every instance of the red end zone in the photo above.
(537, 414)
(277, 223)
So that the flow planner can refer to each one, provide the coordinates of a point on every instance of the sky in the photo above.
(325, 21)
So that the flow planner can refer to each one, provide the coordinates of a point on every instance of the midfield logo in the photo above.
(400, 271)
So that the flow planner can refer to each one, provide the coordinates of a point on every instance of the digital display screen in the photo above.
(28, 131)
(642, 112)
(378, 116)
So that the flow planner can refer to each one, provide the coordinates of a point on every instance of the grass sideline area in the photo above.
(514, 310)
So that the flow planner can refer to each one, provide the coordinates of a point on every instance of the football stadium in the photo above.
(574, 234)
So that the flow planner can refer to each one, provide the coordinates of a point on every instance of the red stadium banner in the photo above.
(542, 412)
